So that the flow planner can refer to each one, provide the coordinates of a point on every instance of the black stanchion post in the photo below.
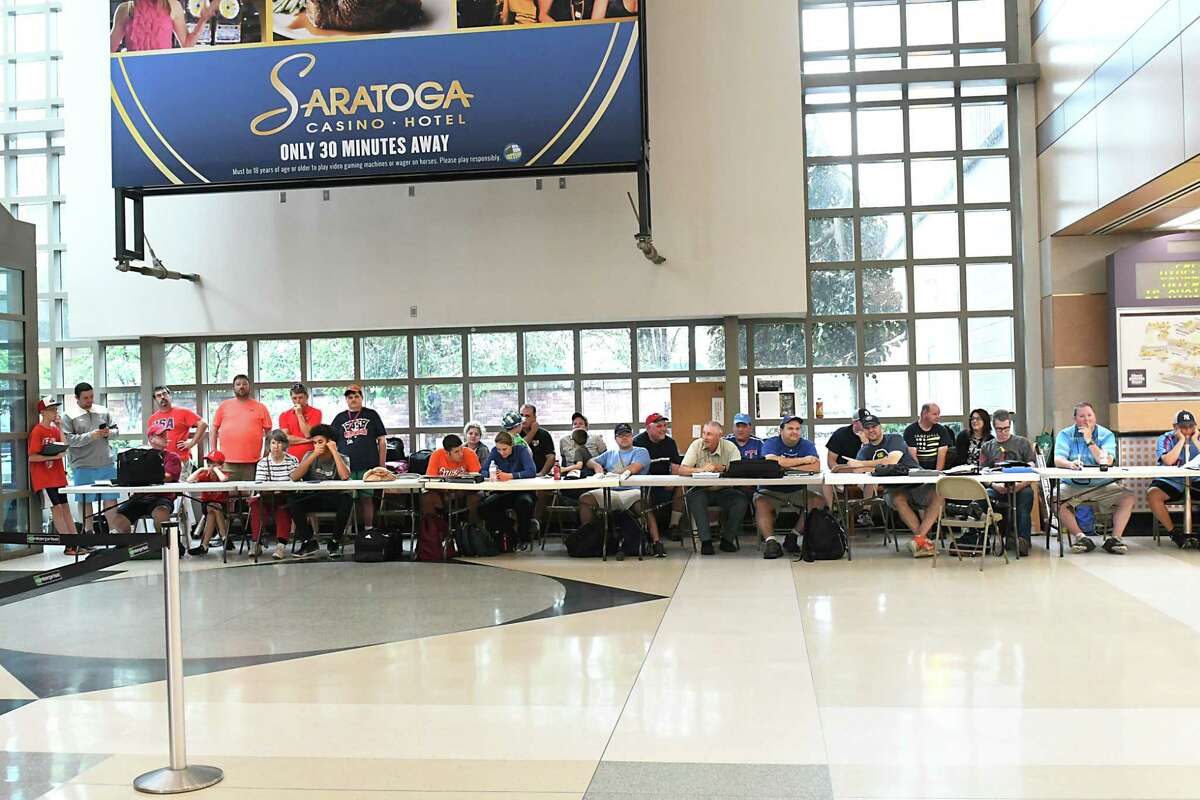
(179, 776)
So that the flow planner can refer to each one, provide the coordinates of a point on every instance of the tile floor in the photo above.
(721, 677)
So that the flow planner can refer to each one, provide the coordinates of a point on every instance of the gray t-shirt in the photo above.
(1017, 448)
(566, 447)
(83, 450)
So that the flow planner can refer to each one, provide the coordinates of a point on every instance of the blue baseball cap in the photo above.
(742, 419)
(791, 418)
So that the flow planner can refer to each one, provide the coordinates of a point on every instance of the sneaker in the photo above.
(1114, 546)
(620, 554)
(198, 550)
(728, 546)
(535, 527)
(772, 549)
(790, 543)
(309, 549)
(1023, 545)
(257, 549)
(334, 548)
(71, 551)
(659, 550)
(673, 534)
(706, 549)
(1178, 539)
(1191, 543)
(1082, 544)
(920, 547)
(280, 551)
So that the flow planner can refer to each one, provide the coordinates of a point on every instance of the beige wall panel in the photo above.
(1077, 264)
(1079, 326)
(1066, 386)
(1080, 37)
(1140, 126)
(1191, 90)
(1067, 177)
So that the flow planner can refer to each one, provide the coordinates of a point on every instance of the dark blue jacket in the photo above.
(519, 462)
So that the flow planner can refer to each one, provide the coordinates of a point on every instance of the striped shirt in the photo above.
(269, 469)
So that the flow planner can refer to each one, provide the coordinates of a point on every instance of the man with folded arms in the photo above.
(890, 448)
(793, 452)
(712, 453)
(1082, 445)
(1174, 448)
(1007, 447)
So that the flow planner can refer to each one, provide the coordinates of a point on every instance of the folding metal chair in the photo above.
(968, 491)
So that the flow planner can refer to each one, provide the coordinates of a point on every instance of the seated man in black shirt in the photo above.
(541, 447)
(928, 441)
(664, 460)
(322, 463)
(844, 444)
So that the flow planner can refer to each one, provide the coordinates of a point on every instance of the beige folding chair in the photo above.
(967, 491)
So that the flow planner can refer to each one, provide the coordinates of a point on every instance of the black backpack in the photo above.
(474, 541)
(587, 542)
(628, 532)
(824, 539)
(140, 466)
(418, 462)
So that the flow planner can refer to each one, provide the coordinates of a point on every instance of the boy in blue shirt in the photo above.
(512, 463)
(1175, 448)
(1088, 444)
(793, 452)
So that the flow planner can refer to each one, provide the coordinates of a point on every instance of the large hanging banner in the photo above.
(311, 90)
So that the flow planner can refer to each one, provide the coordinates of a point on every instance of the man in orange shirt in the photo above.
(239, 430)
(451, 461)
(297, 422)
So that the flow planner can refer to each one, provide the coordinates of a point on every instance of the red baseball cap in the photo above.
(353, 388)
(216, 457)
(47, 402)
(656, 417)
(158, 428)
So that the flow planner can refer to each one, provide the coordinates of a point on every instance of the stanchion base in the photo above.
(176, 781)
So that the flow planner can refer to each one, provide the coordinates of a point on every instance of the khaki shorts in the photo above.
(1105, 498)
(920, 495)
(622, 499)
(784, 501)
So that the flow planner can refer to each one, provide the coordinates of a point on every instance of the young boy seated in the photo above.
(213, 502)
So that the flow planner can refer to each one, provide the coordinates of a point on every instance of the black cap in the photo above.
(1185, 418)
(623, 429)
(299, 388)
(869, 420)
(862, 413)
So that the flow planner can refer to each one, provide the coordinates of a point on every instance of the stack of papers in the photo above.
(706, 474)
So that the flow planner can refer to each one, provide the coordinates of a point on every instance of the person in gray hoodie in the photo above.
(88, 451)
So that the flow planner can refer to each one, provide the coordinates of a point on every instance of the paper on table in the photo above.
(1193, 464)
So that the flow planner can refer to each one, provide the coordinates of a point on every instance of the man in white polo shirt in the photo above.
(712, 453)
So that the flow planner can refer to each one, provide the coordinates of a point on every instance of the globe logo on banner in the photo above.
(512, 153)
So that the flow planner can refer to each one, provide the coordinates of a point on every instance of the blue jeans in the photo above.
(86, 476)
(1024, 508)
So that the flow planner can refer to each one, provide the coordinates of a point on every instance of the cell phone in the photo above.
(103, 426)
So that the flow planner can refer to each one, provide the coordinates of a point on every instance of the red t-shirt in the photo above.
(289, 424)
(45, 474)
(240, 427)
(180, 421)
(206, 475)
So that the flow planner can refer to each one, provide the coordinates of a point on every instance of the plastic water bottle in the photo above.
(492, 472)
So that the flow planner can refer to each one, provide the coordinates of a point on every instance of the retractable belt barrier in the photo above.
(129, 546)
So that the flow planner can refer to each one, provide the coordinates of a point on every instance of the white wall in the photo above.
(728, 188)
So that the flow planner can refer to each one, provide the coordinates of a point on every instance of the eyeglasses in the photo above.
(1003, 428)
